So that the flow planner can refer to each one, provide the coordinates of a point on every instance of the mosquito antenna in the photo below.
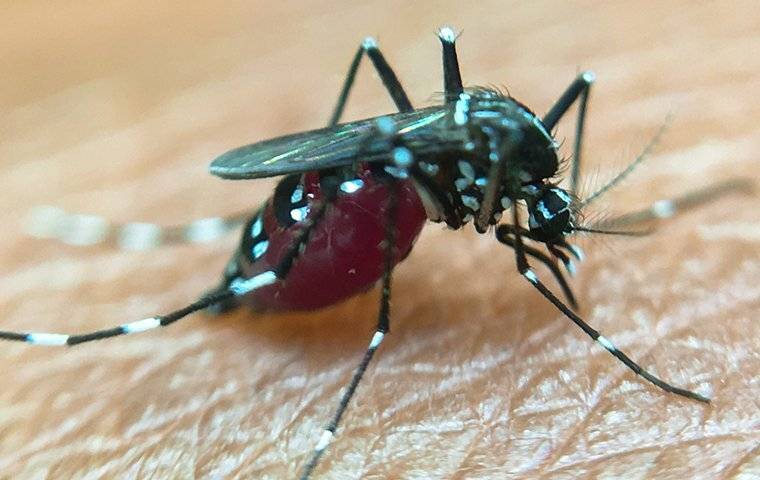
(635, 163)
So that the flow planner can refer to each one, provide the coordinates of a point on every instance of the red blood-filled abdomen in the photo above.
(344, 254)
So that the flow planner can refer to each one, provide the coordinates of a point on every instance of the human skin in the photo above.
(116, 110)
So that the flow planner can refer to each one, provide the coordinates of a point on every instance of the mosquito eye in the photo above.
(550, 215)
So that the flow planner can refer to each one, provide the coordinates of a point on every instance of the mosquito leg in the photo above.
(507, 147)
(231, 272)
(562, 256)
(124, 329)
(506, 237)
(452, 79)
(448, 211)
(79, 229)
(579, 89)
(236, 288)
(554, 248)
(662, 209)
(388, 77)
(383, 326)
(529, 274)
(574, 250)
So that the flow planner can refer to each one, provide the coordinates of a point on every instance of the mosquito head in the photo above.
(550, 213)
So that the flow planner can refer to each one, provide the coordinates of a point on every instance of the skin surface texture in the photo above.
(115, 109)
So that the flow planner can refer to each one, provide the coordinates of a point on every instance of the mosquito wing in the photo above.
(331, 147)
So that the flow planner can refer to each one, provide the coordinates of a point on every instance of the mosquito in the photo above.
(375, 183)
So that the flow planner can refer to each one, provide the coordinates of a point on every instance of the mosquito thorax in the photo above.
(493, 120)
(492, 126)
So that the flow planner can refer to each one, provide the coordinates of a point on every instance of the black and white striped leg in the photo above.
(78, 229)
(236, 288)
(530, 275)
(388, 77)
(578, 90)
(124, 329)
(231, 272)
(554, 248)
(563, 257)
(452, 78)
(574, 250)
(505, 236)
(382, 328)
(663, 209)
(501, 152)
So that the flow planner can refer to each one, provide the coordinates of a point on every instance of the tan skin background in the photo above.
(116, 109)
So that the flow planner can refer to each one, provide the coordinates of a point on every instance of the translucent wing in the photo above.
(330, 147)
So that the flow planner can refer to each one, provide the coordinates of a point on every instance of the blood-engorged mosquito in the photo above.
(376, 181)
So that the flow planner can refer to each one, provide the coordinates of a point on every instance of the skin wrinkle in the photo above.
(473, 443)
(736, 467)
(272, 385)
(657, 446)
(372, 447)
(583, 421)
(446, 385)
(45, 441)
